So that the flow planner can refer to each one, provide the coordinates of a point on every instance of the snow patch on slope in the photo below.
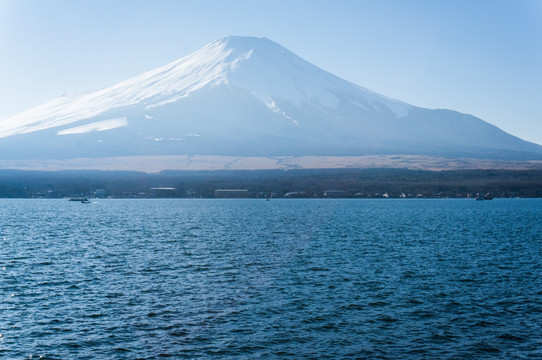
(96, 126)
(274, 108)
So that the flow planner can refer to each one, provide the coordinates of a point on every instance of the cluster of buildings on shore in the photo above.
(171, 192)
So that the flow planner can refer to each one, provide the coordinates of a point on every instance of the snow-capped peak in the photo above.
(245, 96)
(257, 65)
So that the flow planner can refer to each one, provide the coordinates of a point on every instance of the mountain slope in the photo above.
(246, 96)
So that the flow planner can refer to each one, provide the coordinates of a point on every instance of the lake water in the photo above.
(243, 279)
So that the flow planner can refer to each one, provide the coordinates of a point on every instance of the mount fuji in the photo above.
(247, 97)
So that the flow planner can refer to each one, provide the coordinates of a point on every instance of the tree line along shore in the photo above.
(332, 183)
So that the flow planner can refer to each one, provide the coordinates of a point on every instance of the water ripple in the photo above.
(152, 279)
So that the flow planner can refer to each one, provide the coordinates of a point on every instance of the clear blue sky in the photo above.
(482, 57)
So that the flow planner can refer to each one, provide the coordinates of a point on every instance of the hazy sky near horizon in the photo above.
(480, 57)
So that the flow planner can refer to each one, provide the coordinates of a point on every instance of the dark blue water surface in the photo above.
(280, 279)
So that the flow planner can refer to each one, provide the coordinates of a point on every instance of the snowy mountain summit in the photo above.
(246, 96)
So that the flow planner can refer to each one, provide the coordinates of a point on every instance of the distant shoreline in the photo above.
(302, 183)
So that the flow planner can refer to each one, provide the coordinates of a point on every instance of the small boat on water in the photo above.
(81, 199)
(483, 197)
